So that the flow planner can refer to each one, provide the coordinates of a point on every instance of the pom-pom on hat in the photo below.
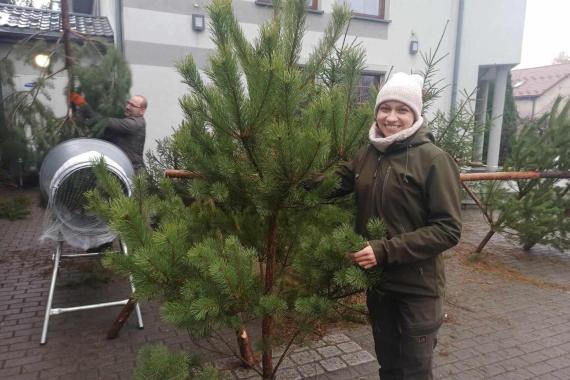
(405, 88)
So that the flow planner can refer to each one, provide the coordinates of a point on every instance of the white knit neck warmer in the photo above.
(382, 143)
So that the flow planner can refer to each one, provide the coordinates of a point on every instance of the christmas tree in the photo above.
(535, 211)
(254, 243)
(93, 66)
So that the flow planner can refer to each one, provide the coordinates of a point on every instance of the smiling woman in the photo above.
(412, 186)
(393, 117)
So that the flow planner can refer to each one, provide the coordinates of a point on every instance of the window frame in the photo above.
(381, 11)
(314, 6)
(380, 76)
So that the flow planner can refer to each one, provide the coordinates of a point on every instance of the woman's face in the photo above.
(393, 117)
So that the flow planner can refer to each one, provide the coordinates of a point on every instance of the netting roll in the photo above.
(65, 176)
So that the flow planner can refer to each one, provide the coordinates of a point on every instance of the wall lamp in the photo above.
(198, 22)
(414, 44)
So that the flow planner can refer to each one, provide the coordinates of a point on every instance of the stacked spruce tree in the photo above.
(254, 243)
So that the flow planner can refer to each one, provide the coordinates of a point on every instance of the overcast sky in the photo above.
(546, 32)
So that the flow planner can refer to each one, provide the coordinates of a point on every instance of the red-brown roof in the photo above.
(535, 81)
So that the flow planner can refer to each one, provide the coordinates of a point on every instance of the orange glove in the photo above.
(77, 99)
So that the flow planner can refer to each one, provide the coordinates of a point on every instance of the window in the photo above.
(368, 80)
(311, 4)
(369, 8)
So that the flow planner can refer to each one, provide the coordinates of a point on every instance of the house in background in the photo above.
(482, 43)
(535, 89)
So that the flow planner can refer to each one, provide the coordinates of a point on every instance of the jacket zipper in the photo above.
(384, 185)
(374, 180)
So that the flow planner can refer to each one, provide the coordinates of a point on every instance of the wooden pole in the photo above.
(175, 173)
(486, 176)
(507, 176)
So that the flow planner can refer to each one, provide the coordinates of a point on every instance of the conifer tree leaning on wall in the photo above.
(254, 244)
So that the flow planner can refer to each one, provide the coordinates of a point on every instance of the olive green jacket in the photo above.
(414, 189)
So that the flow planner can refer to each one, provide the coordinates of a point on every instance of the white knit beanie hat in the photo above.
(405, 88)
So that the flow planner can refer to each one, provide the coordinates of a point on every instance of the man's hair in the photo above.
(144, 103)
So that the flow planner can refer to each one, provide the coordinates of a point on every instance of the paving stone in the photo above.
(317, 344)
(310, 370)
(493, 322)
(288, 374)
(333, 364)
(349, 347)
(226, 363)
(336, 338)
(286, 363)
(329, 351)
(298, 348)
(357, 358)
(242, 373)
(305, 357)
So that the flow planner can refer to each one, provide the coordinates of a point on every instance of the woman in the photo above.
(413, 187)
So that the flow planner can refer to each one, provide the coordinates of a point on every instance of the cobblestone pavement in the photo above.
(508, 317)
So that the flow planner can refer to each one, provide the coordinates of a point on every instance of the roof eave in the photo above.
(526, 97)
(11, 34)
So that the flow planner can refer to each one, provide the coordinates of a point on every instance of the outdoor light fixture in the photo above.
(42, 60)
(198, 22)
(414, 44)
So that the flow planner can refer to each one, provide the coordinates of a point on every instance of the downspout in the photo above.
(533, 106)
(458, 34)
(119, 26)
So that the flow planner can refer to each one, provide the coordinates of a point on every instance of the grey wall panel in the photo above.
(251, 13)
(146, 53)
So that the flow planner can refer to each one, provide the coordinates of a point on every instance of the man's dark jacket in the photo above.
(414, 189)
(128, 134)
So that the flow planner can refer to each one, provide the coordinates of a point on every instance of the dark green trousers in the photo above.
(405, 330)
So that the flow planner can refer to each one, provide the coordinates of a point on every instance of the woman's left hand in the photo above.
(364, 258)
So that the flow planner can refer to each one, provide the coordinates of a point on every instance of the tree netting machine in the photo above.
(66, 175)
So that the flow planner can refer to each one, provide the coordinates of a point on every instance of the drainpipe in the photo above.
(458, 34)
(119, 26)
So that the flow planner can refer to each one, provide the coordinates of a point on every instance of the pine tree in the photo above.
(105, 84)
(536, 211)
(253, 242)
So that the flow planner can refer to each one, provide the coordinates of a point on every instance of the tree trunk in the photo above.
(245, 350)
(67, 49)
(267, 322)
(121, 319)
(485, 241)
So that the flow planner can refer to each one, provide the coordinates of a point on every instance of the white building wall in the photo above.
(524, 108)
(544, 103)
(158, 34)
(25, 75)
(492, 35)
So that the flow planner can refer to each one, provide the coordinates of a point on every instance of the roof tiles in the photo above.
(26, 20)
(534, 82)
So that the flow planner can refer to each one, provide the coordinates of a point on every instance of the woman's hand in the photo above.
(364, 258)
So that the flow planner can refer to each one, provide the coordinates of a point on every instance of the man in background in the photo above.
(127, 133)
